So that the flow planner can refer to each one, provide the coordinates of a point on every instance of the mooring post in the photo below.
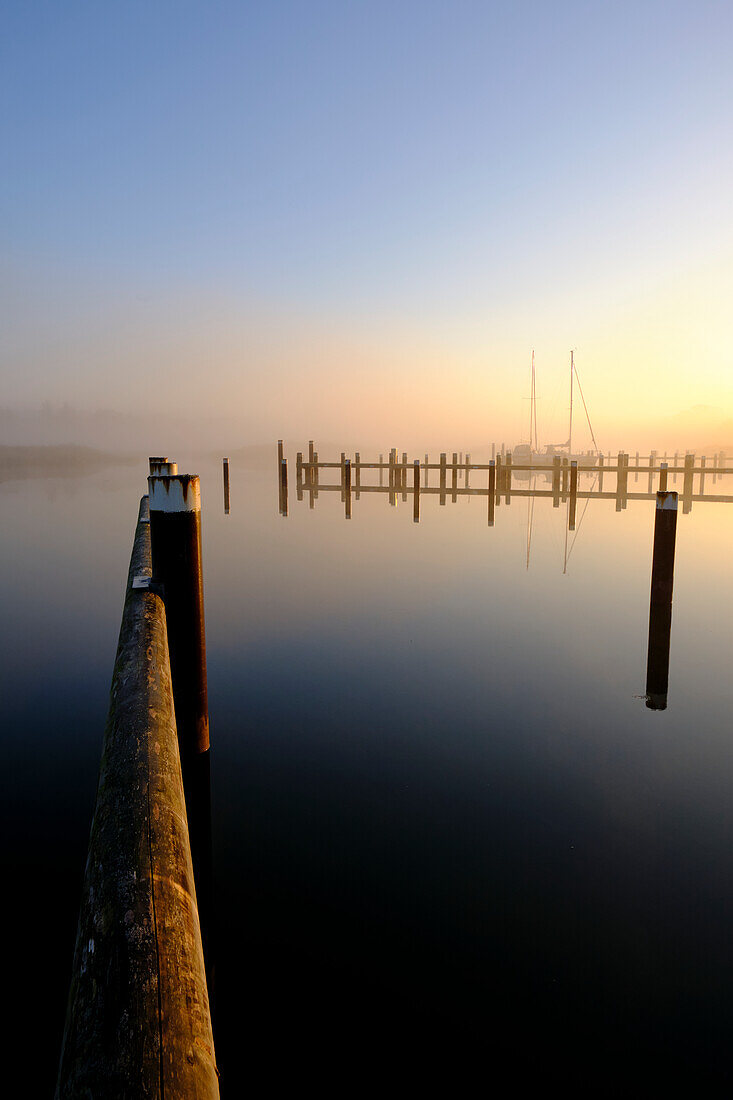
(508, 476)
(468, 470)
(403, 477)
(225, 468)
(573, 494)
(357, 476)
(676, 460)
(600, 473)
(492, 490)
(416, 491)
(442, 477)
(660, 604)
(636, 463)
(316, 475)
(162, 466)
(175, 543)
(499, 479)
(556, 481)
(284, 486)
(454, 478)
(426, 471)
(381, 471)
(703, 462)
(663, 477)
(687, 480)
(299, 475)
(392, 475)
(619, 480)
(565, 479)
(347, 488)
(279, 455)
(652, 468)
(715, 467)
(311, 452)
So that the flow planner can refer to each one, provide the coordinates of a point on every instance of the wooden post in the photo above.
(347, 488)
(311, 460)
(573, 494)
(427, 472)
(138, 1021)
(715, 467)
(175, 539)
(652, 467)
(468, 470)
(565, 479)
(508, 476)
(316, 475)
(416, 491)
(454, 478)
(703, 462)
(299, 475)
(442, 477)
(493, 451)
(663, 478)
(499, 479)
(357, 474)
(225, 467)
(600, 473)
(660, 604)
(284, 487)
(687, 479)
(676, 459)
(556, 481)
(492, 490)
(636, 463)
(381, 471)
(403, 477)
(619, 481)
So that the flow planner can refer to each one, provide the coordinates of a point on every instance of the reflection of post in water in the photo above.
(284, 487)
(416, 491)
(687, 480)
(660, 606)
(492, 490)
(573, 495)
(347, 488)
(226, 486)
(556, 482)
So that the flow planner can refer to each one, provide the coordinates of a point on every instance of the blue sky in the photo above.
(473, 175)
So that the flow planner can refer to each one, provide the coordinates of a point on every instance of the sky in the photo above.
(358, 219)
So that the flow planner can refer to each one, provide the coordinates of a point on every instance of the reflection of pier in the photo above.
(500, 480)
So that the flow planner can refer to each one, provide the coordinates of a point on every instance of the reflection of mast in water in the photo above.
(530, 504)
(660, 604)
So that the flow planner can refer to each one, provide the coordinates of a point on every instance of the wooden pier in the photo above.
(500, 479)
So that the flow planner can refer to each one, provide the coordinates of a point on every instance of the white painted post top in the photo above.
(174, 493)
(667, 501)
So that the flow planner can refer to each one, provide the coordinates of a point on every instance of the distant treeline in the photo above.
(63, 460)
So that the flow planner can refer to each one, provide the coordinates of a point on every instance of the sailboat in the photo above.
(530, 454)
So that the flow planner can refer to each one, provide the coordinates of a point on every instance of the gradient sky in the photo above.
(332, 217)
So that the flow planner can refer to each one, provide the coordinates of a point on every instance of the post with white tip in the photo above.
(175, 538)
(660, 607)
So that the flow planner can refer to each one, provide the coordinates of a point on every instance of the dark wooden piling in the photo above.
(381, 471)
(454, 478)
(343, 476)
(442, 477)
(652, 468)
(403, 477)
(225, 470)
(660, 605)
(316, 475)
(573, 495)
(499, 479)
(284, 487)
(347, 488)
(556, 482)
(600, 473)
(175, 536)
(138, 1021)
(299, 475)
(357, 476)
(703, 463)
(508, 477)
(492, 490)
(619, 481)
(416, 491)
(392, 477)
(565, 479)
(427, 472)
(467, 471)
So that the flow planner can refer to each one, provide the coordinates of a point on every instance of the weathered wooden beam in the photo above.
(138, 1021)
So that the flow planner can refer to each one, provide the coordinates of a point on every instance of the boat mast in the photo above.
(570, 429)
(534, 404)
(532, 416)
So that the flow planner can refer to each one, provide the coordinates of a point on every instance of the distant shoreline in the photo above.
(55, 460)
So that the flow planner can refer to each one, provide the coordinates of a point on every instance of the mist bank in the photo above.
(61, 460)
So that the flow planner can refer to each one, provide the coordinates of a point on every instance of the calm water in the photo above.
(447, 829)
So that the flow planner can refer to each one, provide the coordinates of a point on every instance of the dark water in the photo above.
(449, 835)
